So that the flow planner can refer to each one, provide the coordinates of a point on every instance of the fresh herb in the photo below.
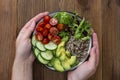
(63, 17)
(83, 30)
(63, 33)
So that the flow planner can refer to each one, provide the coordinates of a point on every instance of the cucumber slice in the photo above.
(51, 46)
(33, 40)
(43, 61)
(40, 46)
(49, 64)
(36, 52)
(47, 55)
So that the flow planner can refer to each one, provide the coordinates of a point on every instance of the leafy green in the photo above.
(65, 38)
(63, 17)
(63, 33)
(83, 30)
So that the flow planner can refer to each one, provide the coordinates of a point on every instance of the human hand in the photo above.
(23, 43)
(88, 68)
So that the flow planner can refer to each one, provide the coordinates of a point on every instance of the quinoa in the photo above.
(78, 47)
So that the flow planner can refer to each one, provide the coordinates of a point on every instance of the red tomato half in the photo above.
(60, 27)
(41, 24)
(50, 36)
(53, 21)
(39, 29)
(45, 32)
(54, 31)
(46, 19)
(47, 26)
(56, 39)
(39, 36)
(45, 41)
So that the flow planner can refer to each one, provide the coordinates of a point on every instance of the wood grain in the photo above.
(111, 39)
(104, 16)
(8, 22)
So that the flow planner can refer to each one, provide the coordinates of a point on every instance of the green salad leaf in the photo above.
(83, 30)
(63, 17)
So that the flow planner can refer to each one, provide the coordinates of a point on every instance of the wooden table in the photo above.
(104, 16)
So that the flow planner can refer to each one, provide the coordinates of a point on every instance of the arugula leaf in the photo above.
(83, 30)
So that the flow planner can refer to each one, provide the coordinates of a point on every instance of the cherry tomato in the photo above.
(41, 24)
(53, 21)
(45, 41)
(45, 32)
(60, 27)
(39, 36)
(48, 26)
(54, 31)
(39, 29)
(56, 39)
(50, 36)
(47, 19)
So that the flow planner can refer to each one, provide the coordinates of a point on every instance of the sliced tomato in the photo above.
(46, 19)
(54, 31)
(41, 24)
(47, 26)
(60, 26)
(53, 21)
(56, 39)
(39, 36)
(45, 41)
(45, 32)
(39, 29)
(50, 36)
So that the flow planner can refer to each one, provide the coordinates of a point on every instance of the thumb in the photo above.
(92, 59)
(29, 31)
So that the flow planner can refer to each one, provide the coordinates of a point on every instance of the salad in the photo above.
(61, 40)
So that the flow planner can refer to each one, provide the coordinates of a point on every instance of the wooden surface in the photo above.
(104, 16)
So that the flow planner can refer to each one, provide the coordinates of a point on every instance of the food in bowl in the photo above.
(62, 41)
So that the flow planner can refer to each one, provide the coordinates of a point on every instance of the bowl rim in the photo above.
(90, 42)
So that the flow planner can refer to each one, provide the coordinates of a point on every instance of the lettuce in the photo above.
(64, 18)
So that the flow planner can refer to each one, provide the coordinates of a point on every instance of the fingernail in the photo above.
(33, 24)
(46, 12)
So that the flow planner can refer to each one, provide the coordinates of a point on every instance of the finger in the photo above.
(92, 59)
(29, 30)
(32, 57)
(95, 43)
(92, 30)
(36, 18)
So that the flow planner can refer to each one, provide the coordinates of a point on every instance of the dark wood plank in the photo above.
(91, 10)
(8, 24)
(27, 10)
(111, 39)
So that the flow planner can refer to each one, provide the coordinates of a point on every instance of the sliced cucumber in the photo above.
(51, 46)
(49, 64)
(40, 46)
(47, 55)
(36, 52)
(33, 40)
(43, 61)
